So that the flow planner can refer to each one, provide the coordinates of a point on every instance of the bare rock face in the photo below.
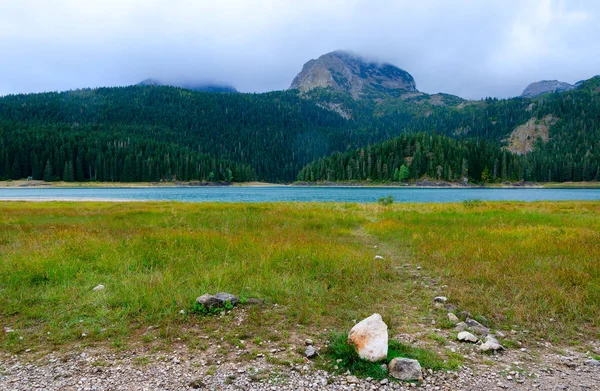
(344, 71)
(544, 86)
(370, 338)
(405, 369)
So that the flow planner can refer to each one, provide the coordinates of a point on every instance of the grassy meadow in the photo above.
(533, 266)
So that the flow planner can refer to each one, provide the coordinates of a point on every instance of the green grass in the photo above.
(345, 357)
(514, 263)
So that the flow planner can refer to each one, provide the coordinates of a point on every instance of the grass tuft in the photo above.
(342, 354)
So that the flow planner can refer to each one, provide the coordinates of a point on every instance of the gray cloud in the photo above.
(471, 48)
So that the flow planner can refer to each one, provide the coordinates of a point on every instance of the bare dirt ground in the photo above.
(180, 367)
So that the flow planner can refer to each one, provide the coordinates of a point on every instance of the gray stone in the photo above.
(453, 318)
(593, 363)
(310, 352)
(352, 379)
(461, 326)
(224, 297)
(491, 344)
(465, 336)
(308, 342)
(477, 327)
(405, 369)
(208, 301)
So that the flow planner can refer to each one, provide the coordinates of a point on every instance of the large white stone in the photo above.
(370, 338)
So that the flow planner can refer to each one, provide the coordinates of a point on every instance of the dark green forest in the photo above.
(419, 155)
(165, 133)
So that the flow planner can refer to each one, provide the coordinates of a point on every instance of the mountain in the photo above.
(156, 132)
(194, 86)
(347, 72)
(545, 86)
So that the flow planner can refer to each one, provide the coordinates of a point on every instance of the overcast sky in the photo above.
(471, 48)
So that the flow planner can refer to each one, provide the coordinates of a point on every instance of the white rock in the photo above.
(491, 344)
(370, 338)
(453, 318)
(378, 257)
(405, 369)
(99, 287)
(352, 379)
(440, 299)
(465, 336)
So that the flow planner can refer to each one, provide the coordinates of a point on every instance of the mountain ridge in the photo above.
(159, 132)
(193, 86)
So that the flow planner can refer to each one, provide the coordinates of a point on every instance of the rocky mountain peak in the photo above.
(346, 71)
(544, 86)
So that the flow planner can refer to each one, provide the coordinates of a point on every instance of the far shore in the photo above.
(42, 184)
(418, 184)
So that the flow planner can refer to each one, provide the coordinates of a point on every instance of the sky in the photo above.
(470, 48)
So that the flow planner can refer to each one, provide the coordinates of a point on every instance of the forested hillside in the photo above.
(164, 132)
(152, 133)
(571, 153)
(413, 156)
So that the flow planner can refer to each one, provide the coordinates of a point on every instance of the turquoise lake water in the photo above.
(295, 194)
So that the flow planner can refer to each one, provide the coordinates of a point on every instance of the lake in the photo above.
(294, 194)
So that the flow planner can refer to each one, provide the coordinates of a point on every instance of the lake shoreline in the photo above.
(425, 184)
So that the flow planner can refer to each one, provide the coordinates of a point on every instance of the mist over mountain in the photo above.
(348, 72)
(194, 86)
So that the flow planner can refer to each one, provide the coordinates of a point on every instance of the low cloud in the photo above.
(469, 48)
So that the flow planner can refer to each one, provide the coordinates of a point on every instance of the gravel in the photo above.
(97, 369)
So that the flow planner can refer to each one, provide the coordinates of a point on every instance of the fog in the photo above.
(470, 48)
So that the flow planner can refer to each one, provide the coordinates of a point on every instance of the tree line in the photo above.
(414, 156)
(84, 154)
(153, 133)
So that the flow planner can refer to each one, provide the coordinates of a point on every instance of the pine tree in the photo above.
(15, 172)
(48, 174)
(68, 175)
